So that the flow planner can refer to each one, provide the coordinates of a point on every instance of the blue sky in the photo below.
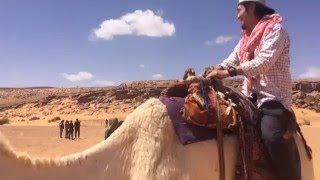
(68, 43)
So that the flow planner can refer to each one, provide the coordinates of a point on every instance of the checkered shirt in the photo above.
(270, 66)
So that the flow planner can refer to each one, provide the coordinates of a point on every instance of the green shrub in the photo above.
(4, 121)
(57, 118)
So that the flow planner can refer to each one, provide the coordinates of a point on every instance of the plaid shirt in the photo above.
(270, 66)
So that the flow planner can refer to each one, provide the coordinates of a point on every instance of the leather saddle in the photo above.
(244, 107)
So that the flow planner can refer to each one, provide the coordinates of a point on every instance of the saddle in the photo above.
(202, 97)
(205, 106)
(202, 104)
(205, 97)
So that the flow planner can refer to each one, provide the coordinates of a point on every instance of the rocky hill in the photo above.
(90, 103)
(306, 94)
(46, 103)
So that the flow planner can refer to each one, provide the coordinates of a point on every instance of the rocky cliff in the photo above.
(29, 103)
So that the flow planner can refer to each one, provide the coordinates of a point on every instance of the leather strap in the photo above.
(220, 139)
(204, 85)
(242, 148)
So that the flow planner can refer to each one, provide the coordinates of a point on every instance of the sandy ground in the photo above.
(41, 139)
(44, 141)
(312, 135)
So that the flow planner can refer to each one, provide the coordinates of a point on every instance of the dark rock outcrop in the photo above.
(305, 94)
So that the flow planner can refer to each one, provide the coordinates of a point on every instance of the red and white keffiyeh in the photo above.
(250, 42)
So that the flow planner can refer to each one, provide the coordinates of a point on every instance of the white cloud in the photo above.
(157, 76)
(78, 77)
(141, 65)
(219, 40)
(103, 83)
(140, 23)
(312, 73)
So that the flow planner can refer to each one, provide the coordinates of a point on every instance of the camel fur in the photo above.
(145, 147)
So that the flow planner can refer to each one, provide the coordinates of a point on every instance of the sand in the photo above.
(40, 138)
(44, 141)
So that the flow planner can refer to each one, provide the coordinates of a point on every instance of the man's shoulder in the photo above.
(279, 27)
(278, 31)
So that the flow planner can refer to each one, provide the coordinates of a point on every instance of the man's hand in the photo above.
(208, 69)
(219, 74)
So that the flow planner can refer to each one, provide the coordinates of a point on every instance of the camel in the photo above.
(145, 147)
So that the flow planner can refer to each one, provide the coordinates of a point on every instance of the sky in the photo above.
(70, 43)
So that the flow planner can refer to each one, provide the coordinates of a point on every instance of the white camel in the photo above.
(145, 147)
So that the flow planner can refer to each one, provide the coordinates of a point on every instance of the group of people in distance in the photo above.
(70, 127)
(72, 130)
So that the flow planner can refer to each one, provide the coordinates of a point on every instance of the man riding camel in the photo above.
(262, 57)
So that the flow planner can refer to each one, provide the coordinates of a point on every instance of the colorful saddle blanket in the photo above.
(187, 133)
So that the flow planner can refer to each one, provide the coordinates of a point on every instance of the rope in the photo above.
(207, 100)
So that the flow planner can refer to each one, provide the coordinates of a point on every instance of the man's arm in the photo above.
(232, 60)
(272, 47)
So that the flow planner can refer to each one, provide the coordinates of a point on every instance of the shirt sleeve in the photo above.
(272, 47)
(233, 59)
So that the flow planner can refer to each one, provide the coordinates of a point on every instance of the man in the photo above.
(262, 57)
(111, 125)
(106, 122)
(77, 128)
(66, 124)
(61, 127)
(71, 128)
